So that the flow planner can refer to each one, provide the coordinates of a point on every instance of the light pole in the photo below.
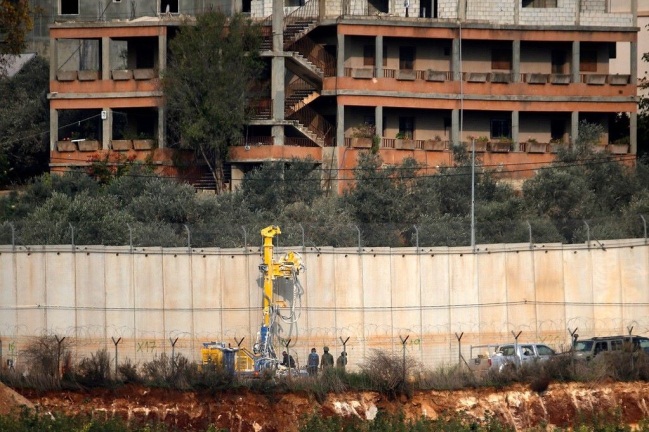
(473, 195)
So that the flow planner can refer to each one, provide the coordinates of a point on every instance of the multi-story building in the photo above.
(514, 78)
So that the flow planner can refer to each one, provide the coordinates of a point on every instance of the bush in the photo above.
(388, 372)
(447, 378)
(173, 372)
(95, 371)
(43, 359)
(128, 372)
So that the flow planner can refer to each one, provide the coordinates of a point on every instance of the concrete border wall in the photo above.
(90, 294)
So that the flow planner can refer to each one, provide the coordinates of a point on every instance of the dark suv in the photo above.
(587, 349)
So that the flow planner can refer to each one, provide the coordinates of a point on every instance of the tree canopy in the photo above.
(24, 115)
(15, 23)
(213, 65)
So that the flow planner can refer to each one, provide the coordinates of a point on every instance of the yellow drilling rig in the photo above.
(263, 355)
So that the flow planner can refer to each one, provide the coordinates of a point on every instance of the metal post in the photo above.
(459, 347)
(13, 236)
(516, 335)
(574, 336)
(344, 343)
(173, 353)
(302, 229)
(587, 233)
(130, 237)
(403, 344)
(359, 239)
(189, 238)
(416, 237)
(71, 234)
(288, 351)
(58, 356)
(115, 342)
(644, 224)
(473, 195)
(245, 238)
(529, 227)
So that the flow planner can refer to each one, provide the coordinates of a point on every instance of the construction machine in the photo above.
(263, 356)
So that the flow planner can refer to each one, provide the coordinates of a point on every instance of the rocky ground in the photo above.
(519, 406)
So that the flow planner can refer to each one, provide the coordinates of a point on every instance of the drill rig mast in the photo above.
(287, 267)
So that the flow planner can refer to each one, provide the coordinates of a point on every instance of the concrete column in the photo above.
(162, 127)
(633, 62)
(340, 126)
(278, 135)
(455, 127)
(54, 59)
(574, 127)
(340, 56)
(107, 128)
(105, 58)
(378, 66)
(574, 65)
(278, 91)
(517, 12)
(634, 11)
(516, 60)
(515, 130)
(162, 51)
(633, 132)
(278, 26)
(54, 127)
(455, 60)
(378, 120)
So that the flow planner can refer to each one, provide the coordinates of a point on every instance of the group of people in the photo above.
(325, 362)
(314, 361)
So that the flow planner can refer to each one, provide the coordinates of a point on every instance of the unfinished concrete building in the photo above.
(415, 77)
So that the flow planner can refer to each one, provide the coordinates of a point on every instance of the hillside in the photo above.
(516, 406)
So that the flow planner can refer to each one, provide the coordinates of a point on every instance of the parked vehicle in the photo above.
(510, 355)
(587, 349)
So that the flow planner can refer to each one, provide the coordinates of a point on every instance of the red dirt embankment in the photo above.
(518, 406)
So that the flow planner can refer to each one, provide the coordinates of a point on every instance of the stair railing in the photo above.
(313, 121)
(316, 54)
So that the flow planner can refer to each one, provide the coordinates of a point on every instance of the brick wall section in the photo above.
(593, 6)
(494, 11)
(447, 9)
(562, 15)
(601, 19)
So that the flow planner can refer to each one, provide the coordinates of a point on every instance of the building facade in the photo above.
(413, 78)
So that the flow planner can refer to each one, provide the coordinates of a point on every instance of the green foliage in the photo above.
(24, 115)
(277, 184)
(15, 22)
(208, 83)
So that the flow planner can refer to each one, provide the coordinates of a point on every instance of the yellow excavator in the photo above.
(263, 356)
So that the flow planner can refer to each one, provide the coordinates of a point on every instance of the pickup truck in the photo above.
(499, 357)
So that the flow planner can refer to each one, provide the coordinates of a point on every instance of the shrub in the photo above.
(447, 378)
(388, 372)
(43, 359)
(128, 372)
(95, 371)
(173, 372)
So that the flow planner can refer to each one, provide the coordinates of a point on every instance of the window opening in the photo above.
(558, 62)
(500, 128)
(539, 3)
(588, 61)
(169, 6)
(557, 129)
(406, 58)
(501, 59)
(407, 127)
(68, 7)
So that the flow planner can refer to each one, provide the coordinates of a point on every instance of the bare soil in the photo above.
(518, 406)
